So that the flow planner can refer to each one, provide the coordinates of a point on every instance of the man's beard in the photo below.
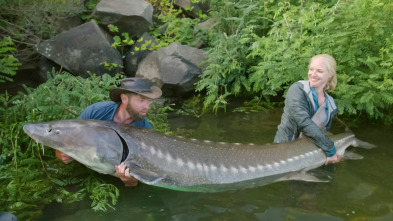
(135, 116)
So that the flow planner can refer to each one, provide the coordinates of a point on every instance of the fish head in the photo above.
(88, 141)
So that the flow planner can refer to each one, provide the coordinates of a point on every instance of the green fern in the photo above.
(8, 63)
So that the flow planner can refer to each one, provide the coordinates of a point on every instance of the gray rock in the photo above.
(130, 16)
(175, 68)
(81, 49)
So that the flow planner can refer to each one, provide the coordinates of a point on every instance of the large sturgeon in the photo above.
(179, 163)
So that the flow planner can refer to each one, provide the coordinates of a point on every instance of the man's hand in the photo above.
(124, 174)
(64, 157)
(334, 159)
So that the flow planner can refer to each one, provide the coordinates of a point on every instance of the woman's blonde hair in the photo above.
(331, 66)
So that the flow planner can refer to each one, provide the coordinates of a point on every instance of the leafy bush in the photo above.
(269, 47)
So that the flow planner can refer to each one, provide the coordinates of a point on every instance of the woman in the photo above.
(309, 109)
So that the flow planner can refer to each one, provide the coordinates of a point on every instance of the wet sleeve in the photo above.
(298, 107)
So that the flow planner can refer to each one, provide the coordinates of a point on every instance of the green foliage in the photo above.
(164, 6)
(176, 28)
(31, 176)
(64, 96)
(8, 63)
(157, 116)
(227, 70)
(101, 193)
(173, 28)
(120, 42)
(89, 7)
(255, 105)
(262, 47)
(193, 107)
(27, 181)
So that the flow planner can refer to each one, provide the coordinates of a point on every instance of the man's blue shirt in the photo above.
(106, 110)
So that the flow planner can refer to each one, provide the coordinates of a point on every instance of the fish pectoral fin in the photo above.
(349, 155)
(303, 177)
(145, 176)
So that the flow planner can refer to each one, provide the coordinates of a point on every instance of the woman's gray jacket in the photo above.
(298, 111)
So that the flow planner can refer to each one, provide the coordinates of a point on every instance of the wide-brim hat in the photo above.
(140, 86)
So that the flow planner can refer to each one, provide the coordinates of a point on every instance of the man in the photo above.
(129, 105)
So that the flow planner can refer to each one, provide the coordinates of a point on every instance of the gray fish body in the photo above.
(180, 163)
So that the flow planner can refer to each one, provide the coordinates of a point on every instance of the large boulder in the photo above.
(175, 68)
(81, 49)
(130, 16)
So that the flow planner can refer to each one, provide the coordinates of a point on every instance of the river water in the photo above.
(357, 189)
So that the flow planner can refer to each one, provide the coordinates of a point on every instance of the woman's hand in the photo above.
(334, 159)
(63, 157)
(124, 174)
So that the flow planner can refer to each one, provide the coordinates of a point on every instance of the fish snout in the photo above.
(36, 130)
(27, 128)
